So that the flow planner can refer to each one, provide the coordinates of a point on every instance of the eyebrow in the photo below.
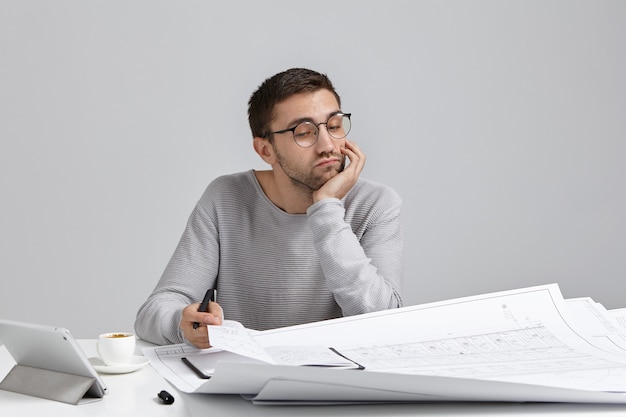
(309, 119)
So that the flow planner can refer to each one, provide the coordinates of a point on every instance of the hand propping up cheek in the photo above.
(338, 186)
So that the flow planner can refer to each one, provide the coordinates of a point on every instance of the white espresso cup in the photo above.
(116, 348)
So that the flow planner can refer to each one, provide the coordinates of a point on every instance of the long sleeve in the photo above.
(274, 269)
(190, 272)
(362, 260)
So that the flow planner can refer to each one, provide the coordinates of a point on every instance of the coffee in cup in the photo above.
(116, 348)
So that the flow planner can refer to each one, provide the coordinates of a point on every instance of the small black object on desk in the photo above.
(166, 397)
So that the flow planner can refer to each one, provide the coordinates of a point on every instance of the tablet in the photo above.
(50, 348)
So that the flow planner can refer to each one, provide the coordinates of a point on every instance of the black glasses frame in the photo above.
(293, 129)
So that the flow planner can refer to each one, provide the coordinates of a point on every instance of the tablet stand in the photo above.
(51, 385)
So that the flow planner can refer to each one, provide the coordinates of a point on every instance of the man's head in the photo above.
(262, 103)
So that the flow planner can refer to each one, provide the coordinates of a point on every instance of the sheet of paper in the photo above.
(598, 326)
(234, 343)
(233, 337)
(311, 356)
(619, 315)
(489, 344)
(519, 335)
(167, 361)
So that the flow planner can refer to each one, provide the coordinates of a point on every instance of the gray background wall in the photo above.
(501, 123)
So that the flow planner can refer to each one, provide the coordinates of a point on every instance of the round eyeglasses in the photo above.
(306, 133)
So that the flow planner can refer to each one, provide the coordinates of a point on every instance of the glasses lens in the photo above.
(305, 134)
(338, 126)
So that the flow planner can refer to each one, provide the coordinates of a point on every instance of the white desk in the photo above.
(135, 394)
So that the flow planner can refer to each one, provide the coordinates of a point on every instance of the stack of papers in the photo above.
(232, 342)
(521, 345)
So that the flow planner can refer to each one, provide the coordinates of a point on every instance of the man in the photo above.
(307, 240)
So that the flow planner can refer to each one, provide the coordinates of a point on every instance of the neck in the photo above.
(283, 193)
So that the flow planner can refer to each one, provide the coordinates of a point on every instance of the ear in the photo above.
(264, 149)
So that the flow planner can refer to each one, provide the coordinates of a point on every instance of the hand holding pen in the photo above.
(211, 295)
(197, 316)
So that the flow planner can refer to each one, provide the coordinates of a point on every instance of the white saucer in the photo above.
(135, 363)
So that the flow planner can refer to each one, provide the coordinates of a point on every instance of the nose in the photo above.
(325, 143)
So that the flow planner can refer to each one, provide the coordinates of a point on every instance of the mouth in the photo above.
(327, 162)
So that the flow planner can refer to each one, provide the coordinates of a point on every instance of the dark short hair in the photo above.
(278, 88)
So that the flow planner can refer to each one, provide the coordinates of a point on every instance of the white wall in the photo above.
(502, 125)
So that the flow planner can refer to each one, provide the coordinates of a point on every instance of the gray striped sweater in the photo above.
(274, 269)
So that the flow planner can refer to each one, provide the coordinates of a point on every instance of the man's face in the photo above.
(308, 168)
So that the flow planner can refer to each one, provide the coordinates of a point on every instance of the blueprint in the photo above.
(528, 344)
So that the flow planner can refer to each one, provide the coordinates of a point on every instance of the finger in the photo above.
(207, 319)
(193, 320)
(198, 337)
(353, 147)
(357, 162)
(190, 314)
(349, 153)
(216, 311)
(354, 152)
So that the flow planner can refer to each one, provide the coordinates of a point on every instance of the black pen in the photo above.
(210, 294)
(197, 371)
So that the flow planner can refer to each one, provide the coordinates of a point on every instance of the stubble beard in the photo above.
(308, 181)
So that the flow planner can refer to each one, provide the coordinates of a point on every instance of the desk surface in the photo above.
(136, 392)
